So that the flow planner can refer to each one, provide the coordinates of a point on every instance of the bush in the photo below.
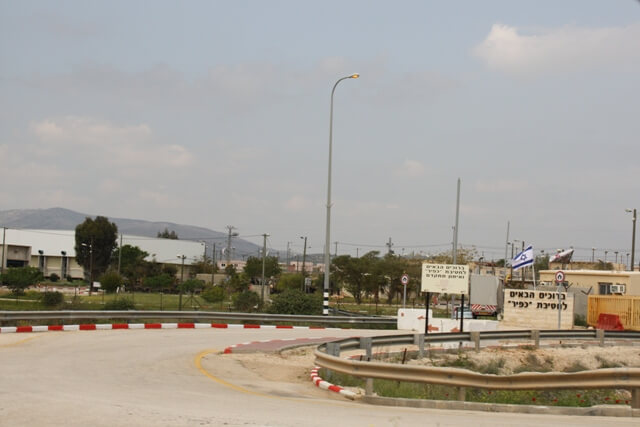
(52, 299)
(120, 304)
(246, 301)
(20, 278)
(110, 281)
(289, 281)
(213, 294)
(294, 301)
(54, 277)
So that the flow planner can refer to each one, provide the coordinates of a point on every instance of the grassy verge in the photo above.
(397, 389)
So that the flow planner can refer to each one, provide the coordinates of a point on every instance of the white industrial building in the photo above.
(52, 251)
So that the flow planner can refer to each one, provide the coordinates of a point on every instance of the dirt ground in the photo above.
(294, 365)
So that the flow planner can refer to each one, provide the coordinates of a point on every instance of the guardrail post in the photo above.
(635, 398)
(333, 349)
(462, 394)
(418, 339)
(366, 344)
(475, 338)
(535, 336)
(600, 336)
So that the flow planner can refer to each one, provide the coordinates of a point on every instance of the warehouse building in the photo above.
(53, 251)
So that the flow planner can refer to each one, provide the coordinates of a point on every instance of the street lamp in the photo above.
(633, 237)
(90, 246)
(304, 259)
(325, 304)
(181, 257)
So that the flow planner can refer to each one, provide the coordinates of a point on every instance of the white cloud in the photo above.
(411, 169)
(562, 49)
(500, 186)
(113, 144)
(297, 204)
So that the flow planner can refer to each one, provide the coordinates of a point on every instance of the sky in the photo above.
(216, 113)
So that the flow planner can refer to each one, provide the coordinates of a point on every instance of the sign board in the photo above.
(404, 279)
(560, 276)
(445, 278)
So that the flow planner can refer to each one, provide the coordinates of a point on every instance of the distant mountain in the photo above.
(65, 219)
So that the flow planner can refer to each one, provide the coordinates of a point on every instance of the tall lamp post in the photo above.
(304, 260)
(181, 257)
(633, 237)
(327, 242)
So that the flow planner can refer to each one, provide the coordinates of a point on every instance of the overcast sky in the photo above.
(216, 113)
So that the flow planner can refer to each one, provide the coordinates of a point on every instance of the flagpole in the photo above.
(533, 268)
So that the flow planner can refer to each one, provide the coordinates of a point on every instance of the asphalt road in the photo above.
(176, 378)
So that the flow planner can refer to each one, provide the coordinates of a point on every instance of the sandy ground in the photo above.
(294, 365)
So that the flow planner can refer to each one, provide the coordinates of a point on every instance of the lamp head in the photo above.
(628, 210)
(354, 76)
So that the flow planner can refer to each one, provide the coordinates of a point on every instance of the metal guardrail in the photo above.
(12, 316)
(328, 356)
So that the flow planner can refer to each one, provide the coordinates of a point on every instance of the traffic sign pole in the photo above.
(404, 279)
(559, 280)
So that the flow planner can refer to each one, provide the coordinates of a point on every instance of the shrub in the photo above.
(54, 277)
(120, 304)
(110, 281)
(213, 294)
(52, 299)
(289, 281)
(294, 301)
(246, 301)
(19, 278)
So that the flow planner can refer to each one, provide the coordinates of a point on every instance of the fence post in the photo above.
(600, 336)
(333, 349)
(635, 398)
(418, 339)
(366, 344)
(462, 394)
(535, 336)
(475, 338)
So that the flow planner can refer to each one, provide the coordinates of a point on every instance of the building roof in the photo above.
(53, 242)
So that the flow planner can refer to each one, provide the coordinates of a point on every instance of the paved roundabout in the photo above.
(181, 377)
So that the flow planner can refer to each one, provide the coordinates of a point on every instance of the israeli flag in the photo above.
(523, 259)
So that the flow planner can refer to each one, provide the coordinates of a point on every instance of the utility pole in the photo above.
(120, 254)
(389, 245)
(213, 263)
(288, 255)
(264, 255)
(455, 231)
(4, 249)
(304, 259)
(633, 238)
(230, 235)
(335, 254)
(506, 247)
(182, 257)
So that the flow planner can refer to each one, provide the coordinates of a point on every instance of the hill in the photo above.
(65, 219)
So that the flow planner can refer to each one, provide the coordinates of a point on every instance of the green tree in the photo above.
(541, 263)
(355, 273)
(253, 267)
(213, 294)
(110, 281)
(95, 242)
(246, 301)
(132, 261)
(191, 285)
(465, 256)
(20, 278)
(294, 301)
(159, 282)
(289, 281)
(166, 234)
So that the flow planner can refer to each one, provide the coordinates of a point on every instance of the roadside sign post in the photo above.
(405, 280)
(445, 279)
(559, 280)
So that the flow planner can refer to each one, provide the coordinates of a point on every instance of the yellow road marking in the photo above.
(20, 342)
(198, 363)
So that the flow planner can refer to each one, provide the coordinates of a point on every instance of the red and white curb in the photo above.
(111, 326)
(319, 382)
